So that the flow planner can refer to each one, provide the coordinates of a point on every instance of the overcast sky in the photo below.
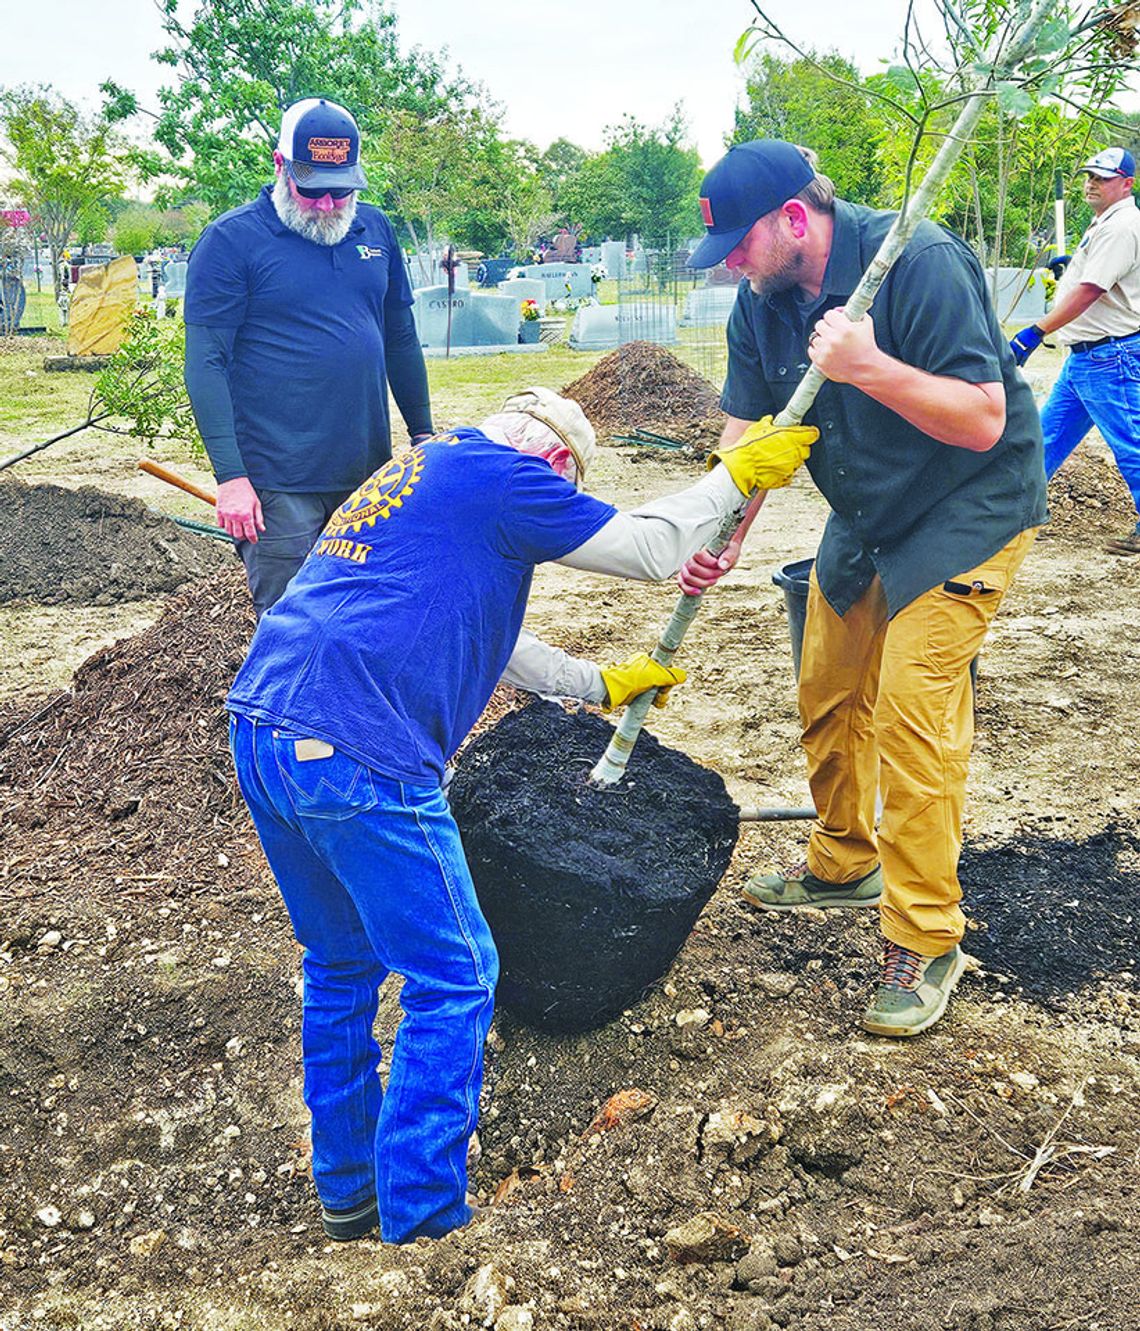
(560, 69)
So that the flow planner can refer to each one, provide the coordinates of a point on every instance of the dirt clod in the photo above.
(589, 892)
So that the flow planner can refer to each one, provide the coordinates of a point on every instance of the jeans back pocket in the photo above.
(336, 787)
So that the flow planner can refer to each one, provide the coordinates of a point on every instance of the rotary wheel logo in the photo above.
(379, 495)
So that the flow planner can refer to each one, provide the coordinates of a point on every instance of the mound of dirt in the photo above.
(89, 547)
(643, 385)
(731, 1154)
(1088, 495)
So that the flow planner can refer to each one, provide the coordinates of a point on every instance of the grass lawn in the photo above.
(34, 404)
(41, 307)
(467, 388)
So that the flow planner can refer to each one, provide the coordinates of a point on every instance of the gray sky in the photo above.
(558, 69)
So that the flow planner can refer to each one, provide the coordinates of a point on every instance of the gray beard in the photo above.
(321, 228)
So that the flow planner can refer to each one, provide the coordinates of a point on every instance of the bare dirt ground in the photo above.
(778, 1168)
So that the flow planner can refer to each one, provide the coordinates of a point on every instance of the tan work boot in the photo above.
(800, 887)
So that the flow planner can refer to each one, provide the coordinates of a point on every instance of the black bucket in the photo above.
(793, 579)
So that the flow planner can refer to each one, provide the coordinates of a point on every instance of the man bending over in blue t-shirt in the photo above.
(360, 683)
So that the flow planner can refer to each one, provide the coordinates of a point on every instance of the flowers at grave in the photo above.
(529, 310)
(568, 304)
(598, 273)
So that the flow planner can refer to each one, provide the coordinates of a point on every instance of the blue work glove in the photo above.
(1058, 265)
(1025, 343)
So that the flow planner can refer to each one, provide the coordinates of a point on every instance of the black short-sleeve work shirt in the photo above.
(913, 510)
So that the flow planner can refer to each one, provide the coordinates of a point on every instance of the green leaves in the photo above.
(745, 45)
(1014, 100)
(902, 79)
(1054, 35)
(142, 383)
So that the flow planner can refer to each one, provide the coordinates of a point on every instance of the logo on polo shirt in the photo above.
(330, 152)
(384, 491)
(370, 251)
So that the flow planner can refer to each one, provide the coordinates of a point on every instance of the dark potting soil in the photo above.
(87, 547)
(589, 893)
(1055, 915)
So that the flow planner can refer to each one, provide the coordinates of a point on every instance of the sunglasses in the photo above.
(321, 191)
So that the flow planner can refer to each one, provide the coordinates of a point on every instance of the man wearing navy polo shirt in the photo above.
(298, 317)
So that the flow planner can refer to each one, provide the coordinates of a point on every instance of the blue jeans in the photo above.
(373, 875)
(1102, 388)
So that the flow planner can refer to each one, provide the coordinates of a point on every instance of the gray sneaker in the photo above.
(777, 891)
(913, 990)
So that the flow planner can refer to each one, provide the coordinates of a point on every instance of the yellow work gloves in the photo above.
(640, 672)
(766, 456)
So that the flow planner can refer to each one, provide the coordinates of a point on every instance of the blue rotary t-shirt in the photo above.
(391, 638)
(307, 376)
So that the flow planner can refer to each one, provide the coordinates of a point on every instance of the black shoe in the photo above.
(353, 1223)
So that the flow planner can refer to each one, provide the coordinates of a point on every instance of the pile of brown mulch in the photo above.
(643, 385)
(126, 779)
(125, 782)
(1088, 495)
(88, 547)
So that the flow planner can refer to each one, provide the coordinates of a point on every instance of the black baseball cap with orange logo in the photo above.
(321, 143)
(748, 182)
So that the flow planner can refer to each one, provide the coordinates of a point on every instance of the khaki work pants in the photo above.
(887, 704)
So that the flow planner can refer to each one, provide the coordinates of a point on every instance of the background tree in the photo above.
(441, 175)
(66, 164)
(800, 100)
(558, 164)
(135, 230)
(236, 66)
(646, 181)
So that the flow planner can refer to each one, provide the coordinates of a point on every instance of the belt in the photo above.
(1078, 347)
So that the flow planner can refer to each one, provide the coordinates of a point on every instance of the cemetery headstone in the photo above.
(557, 276)
(707, 307)
(1030, 302)
(646, 321)
(176, 278)
(524, 288)
(613, 256)
(595, 328)
(430, 314)
(12, 302)
(101, 304)
(494, 321)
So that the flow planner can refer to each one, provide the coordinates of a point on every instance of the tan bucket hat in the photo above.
(565, 417)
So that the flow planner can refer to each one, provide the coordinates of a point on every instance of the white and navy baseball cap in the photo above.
(321, 143)
(1112, 162)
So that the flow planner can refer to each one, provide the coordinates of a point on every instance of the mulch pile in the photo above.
(1088, 494)
(641, 385)
(126, 779)
(88, 547)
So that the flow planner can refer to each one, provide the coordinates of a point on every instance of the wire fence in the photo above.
(663, 301)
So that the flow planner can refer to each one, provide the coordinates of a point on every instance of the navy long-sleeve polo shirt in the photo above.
(304, 330)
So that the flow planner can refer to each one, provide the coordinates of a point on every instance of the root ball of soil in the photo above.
(589, 893)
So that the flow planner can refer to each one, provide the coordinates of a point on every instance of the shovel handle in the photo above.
(172, 478)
